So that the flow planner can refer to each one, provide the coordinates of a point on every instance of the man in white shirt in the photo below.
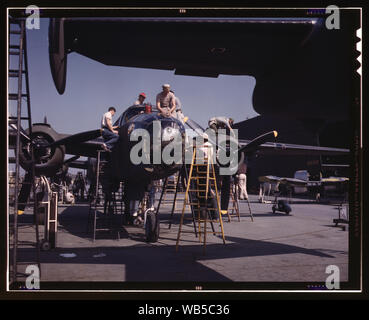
(165, 101)
(141, 99)
(109, 133)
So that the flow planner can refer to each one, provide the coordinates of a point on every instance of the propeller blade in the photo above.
(21, 131)
(195, 126)
(78, 138)
(24, 192)
(254, 144)
(71, 159)
(201, 131)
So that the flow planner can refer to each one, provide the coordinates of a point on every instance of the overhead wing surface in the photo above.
(274, 148)
(190, 46)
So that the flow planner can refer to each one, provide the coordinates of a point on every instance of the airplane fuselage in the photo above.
(144, 140)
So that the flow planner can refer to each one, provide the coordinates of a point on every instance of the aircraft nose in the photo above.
(169, 131)
(169, 134)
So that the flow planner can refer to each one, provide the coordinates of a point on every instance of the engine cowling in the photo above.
(48, 159)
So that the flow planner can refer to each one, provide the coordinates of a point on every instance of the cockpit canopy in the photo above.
(133, 111)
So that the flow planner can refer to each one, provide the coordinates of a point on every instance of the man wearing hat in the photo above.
(166, 101)
(141, 99)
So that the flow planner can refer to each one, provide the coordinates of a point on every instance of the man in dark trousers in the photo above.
(109, 133)
(223, 181)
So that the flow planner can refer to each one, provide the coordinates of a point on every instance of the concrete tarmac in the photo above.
(273, 248)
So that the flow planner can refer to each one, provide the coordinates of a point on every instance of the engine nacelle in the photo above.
(48, 159)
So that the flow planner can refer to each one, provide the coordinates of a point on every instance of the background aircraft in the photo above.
(315, 187)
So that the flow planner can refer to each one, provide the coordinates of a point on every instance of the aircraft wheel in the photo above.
(287, 209)
(45, 245)
(152, 227)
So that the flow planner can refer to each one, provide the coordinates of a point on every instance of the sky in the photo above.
(92, 87)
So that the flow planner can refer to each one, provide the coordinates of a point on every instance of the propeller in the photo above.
(44, 149)
(253, 145)
(24, 192)
(248, 149)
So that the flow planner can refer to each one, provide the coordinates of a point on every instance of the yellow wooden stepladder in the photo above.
(202, 183)
(235, 205)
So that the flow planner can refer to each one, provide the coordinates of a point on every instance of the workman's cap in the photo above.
(143, 94)
(166, 85)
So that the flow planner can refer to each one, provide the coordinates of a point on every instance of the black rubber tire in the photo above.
(152, 227)
(45, 245)
(287, 208)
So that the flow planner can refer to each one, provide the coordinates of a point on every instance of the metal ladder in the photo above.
(183, 174)
(169, 186)
(98, 202)
(18, 49)
(202, 183)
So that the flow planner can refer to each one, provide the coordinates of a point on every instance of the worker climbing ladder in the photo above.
(202, 195)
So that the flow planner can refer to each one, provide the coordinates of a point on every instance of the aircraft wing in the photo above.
(272, 148)
(83, 144)
(189, 45)
(334, 180)
(270, 49)
(282, 180)
(272, 179)
(294, 182)
(303, 183)
(85, 149)
(78, 164)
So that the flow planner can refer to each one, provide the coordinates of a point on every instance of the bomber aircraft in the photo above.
(50, 147)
